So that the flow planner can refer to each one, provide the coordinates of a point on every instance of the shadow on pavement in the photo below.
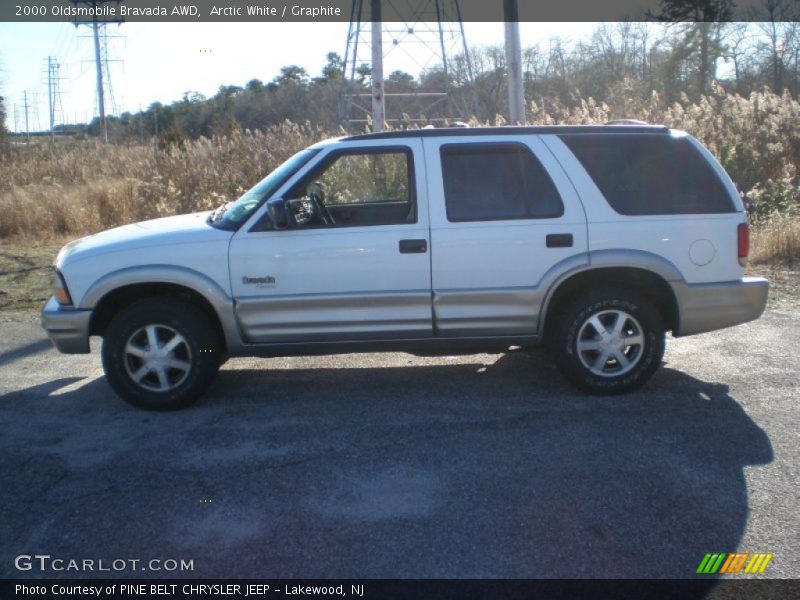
(473, 469)
(24, 351)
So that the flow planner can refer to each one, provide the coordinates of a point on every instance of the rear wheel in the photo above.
(608, 342)
(160, 354)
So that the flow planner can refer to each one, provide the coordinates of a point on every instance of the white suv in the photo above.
(593, 239)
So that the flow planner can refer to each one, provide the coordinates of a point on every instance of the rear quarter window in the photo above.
(642, 174)
(495, 182)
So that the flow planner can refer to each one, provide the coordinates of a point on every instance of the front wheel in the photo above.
(608, 342)
(160, 354)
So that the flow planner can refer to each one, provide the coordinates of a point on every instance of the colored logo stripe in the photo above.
(758, 563)
(711, 563)
(733, 563)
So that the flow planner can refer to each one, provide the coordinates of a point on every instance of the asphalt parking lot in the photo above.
(369, 466)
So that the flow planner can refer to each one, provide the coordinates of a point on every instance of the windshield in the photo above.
(233, 214)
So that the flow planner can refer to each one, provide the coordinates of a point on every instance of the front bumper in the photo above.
(710, 306)
(67, 327)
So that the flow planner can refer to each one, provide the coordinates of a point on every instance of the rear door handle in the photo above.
(559, 240)
(413, 246)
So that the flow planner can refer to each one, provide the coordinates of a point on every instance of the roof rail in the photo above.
(626, 122)
(626, 128)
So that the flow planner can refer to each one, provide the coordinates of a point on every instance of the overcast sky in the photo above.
(161, 61)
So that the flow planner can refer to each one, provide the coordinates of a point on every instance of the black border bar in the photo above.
(282, 11)
(407, 589)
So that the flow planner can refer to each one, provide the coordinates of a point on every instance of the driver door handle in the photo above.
(413, 246)
(559, 240)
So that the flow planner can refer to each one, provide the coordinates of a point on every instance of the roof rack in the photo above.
(611, 127)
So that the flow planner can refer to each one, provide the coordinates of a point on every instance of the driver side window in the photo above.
(352, 189)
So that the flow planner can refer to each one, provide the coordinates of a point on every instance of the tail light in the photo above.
(743, 242)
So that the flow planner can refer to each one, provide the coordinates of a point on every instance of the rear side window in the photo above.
(493, 182)
(641, 174)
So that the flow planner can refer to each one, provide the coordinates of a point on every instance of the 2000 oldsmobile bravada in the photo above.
(593, 239)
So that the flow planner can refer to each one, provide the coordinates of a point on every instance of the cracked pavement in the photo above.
(390, 465)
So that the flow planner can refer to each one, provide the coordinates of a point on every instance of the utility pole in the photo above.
(378, 98)
(50, 97)
(27, 128)
(516, 89)
(141, 123)
(101, 100)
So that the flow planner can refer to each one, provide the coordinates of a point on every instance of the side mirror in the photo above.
(278, 213)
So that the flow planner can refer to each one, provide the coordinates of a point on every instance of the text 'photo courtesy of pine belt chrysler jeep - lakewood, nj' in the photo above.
(591, 240)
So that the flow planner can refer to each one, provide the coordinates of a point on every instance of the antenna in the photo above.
(433, 39)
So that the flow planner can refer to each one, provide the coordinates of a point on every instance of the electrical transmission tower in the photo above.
(432, 39)
(112, 100)
(100, 54)
(53, 80)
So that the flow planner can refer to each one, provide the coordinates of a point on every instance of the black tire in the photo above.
(198, 354)
(572, 327)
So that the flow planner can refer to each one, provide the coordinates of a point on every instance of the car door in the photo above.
(504, 219)
(354, 262)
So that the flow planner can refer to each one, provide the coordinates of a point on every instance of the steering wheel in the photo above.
(316, 193)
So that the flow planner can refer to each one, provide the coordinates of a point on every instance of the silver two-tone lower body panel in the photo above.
(390, 315)
(495, 312)
(335, 317)
(710, 306)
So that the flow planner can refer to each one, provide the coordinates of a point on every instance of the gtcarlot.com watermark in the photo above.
(45, 563)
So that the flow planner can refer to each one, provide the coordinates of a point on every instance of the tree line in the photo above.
(672, 61)
(693, 49)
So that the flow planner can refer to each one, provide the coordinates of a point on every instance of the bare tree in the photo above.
(3, 130)
(737, 48)
(779, 25)
(705, 19)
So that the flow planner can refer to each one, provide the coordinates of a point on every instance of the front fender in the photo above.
(217, 297)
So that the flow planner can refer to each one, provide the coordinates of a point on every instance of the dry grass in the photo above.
(776, 241)
(80, 187)
(25, 272)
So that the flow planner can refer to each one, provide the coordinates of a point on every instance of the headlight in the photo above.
(60, 290)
